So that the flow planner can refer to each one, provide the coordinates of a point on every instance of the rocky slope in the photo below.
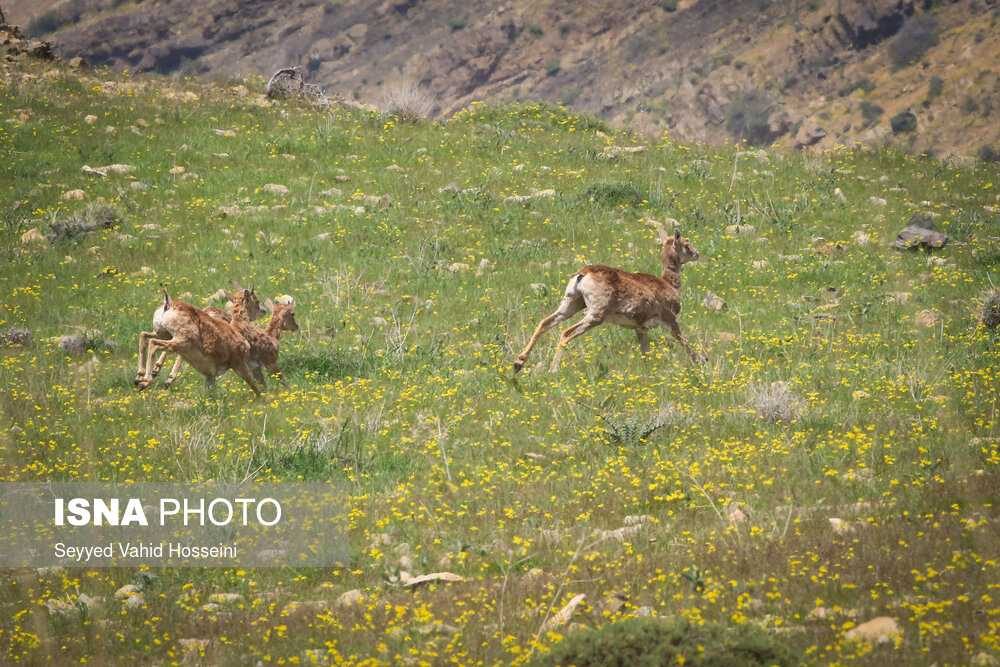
(817, 73)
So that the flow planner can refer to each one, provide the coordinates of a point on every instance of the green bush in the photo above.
(653, 642)
(913, 41)
(747, 118)
(934, 89)
(668, 5)
(905, 121)
(552, 68)
(614, 194)
(870, 112)
(988, 154)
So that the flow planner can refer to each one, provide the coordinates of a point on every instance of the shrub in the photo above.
(988, 154)
(775, 402)
(748, 118)
(456, 24)
(535, 30)
(614, 194)
(650, 642)
(934, 88)
(870, 112)
(407, 102)
(991, 308)
(552, 68)
(668, 5)
(864, 84)
(45, 23)
(913, 41)
(905, 121)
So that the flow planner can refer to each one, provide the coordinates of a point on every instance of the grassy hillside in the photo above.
(412, 308)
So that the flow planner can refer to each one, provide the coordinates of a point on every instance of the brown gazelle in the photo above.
(264, 343)
(253, 309)
(637, 301)
(211, 345)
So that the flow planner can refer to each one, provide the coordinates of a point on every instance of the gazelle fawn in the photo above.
(253, 309)
(211, 345)
(638, 301)
(264, 343)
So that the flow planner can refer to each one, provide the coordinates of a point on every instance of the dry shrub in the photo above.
(407, 101)
(775, 401)
(991, 308)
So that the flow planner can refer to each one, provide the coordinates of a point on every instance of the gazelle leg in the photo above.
(567, 308)
(159, 363)
(144, 337)
(152, 346)
(578, 329)
(176, 370)
(675, 329)
(243, 370)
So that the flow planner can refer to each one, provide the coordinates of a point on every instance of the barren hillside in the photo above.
(819, 73)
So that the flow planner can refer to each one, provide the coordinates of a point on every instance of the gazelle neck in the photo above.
(671, 268)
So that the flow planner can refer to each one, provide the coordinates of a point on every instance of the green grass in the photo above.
(401, 387)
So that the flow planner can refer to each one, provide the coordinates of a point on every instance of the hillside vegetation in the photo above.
(822, 72)
(835, 460)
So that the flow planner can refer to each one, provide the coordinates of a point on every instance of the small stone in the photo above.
(818, 614)
(914, 236)
(275, 189)
(740, 230)
(73, 195)
(877, 201)
(74, 344)
(928, 318)
(350, 598)
(839, 194)
(177, 170)
(841, 527)
(333, 192)
(135, 601)
(879, 630)
(713, 302)
(861, 237)
(90, 119)
(127, 591)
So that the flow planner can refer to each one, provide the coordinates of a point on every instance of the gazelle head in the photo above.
(246, 299)
(283, 314)
(674, 245)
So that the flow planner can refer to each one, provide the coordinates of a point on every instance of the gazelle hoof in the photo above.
(518, 365)
(143, 384)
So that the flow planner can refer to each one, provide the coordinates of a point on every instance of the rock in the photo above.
(350, 598)
(879, 630)
(614, 152)
(458, 267)
(740, 230)
(89, 603)
(861, 237)
(135, 601)
(818, 614)
(74, 344)
(90, 119)
(735, 515)
(900, 297)
(15, 336)
(177, 170)
(411, 582)
(62, 608)
(809, 134)
(193, 647)
(73, 195)
(713, 302)
(841, 527)
(127, 591)
(342, 178)
(615, 602)
(333, 192)
(839, 194)
(877, 201)
(928, 318)
(225, 598)
(32, 236)
(983, 659)
(913, 236)
(375, 201)
(759, 264)
(562, 617)
(227, 133)
(138, 186)
(76, 62)
(275, 189)
(395, 168)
